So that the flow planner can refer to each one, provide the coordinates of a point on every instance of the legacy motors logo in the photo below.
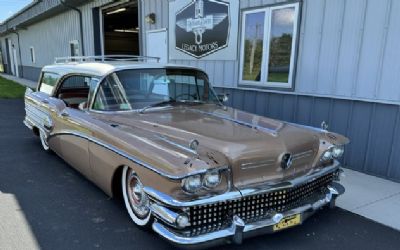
(202, 27)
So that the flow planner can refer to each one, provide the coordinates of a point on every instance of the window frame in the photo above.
(263, 83)
(55, 85)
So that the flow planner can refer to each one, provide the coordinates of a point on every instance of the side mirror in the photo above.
(223, 97)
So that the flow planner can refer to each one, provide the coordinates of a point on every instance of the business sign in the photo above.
(203, 29)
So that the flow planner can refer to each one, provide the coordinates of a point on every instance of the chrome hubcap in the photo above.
(138, 199)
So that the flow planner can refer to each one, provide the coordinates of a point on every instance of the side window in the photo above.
(74, 82)
(48, 82)
(74, 91)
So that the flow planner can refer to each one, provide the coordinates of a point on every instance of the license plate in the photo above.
(287, 222)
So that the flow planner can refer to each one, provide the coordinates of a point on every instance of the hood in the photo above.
(253, 146)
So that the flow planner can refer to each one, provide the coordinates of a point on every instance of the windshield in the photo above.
(143, 88)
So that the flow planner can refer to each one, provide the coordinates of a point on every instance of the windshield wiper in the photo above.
(158, 104)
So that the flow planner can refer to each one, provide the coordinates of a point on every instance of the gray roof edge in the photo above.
(34, 12)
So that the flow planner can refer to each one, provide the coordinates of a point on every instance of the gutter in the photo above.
(80, 23)
(19, 52)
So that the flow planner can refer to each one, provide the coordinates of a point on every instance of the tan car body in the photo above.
(156, 144)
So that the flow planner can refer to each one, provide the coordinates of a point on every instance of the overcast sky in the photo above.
(10, 7)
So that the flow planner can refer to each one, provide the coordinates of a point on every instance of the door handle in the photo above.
(45, 101)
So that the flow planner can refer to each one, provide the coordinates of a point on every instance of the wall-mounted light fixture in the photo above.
(150, 18)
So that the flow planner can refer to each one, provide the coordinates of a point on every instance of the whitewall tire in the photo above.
(43, 140)
(135, 199)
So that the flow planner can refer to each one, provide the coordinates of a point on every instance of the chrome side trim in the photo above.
(128, 156)
(180, 146)
(236, 232)
(232, 195)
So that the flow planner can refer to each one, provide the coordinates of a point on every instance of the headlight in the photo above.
(332, 152)
(211, 179)
(337, 151)
(327, 155)
(192, 183)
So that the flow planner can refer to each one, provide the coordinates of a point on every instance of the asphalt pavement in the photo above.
(63, 210)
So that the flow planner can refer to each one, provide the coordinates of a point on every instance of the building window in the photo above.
(74, 48)
(32, 52)
(268, 46)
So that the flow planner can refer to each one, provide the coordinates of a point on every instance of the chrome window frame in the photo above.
(101, 79)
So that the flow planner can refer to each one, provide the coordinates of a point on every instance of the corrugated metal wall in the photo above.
(347, 49)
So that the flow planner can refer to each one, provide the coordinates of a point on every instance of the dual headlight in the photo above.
(194, 183)
(333, 152)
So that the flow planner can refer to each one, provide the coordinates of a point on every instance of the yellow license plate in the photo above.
(287, 222)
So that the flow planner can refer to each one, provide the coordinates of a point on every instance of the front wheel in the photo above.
(135, 199)
(43, 140)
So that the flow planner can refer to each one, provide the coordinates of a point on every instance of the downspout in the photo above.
(80, 23)
(19, 52)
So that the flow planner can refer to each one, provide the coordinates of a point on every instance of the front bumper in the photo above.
(239, 225)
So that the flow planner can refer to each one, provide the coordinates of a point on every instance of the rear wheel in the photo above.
(43, 140)
(135, 199)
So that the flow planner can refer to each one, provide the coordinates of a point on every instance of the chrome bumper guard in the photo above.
(239, 230)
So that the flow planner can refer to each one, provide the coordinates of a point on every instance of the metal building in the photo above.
(304, 61)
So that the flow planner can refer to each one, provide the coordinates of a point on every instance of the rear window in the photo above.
(48, 82)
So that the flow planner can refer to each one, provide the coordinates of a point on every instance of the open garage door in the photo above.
(121, 29)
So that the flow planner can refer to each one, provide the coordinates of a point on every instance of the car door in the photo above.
(74, 122)
(41, 108)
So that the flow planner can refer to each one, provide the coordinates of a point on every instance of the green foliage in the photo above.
(10, 89)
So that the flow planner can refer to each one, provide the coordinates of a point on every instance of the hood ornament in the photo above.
(324, 125)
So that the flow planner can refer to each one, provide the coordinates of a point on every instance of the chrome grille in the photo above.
(213, 217)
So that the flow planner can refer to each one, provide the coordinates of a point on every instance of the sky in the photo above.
(10, 7)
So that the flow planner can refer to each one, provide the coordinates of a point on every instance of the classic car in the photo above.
(186, 165)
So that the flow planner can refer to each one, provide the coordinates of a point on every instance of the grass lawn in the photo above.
(10, 89)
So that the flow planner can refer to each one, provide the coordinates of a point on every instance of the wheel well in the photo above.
(35, 131)
(116, 183)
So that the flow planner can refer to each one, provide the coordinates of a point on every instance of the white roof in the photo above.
(104, 68)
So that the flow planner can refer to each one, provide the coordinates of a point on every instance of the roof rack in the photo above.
(107, 58)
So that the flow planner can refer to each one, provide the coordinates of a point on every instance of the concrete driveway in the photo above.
(44, 203)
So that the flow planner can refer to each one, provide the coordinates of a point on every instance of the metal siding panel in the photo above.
(288, 107)
(390, 78)
(380, 140)
(260, 102)
(219, 73)
(303, 107)
(229, 70)
(274, 107)
(307, 67)
(249, 102)
(330, 48)
(371, 48)
(394, 166)
(321, 111)
(340, 113)
(237, 98)
(358, 133)
(352, 30)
